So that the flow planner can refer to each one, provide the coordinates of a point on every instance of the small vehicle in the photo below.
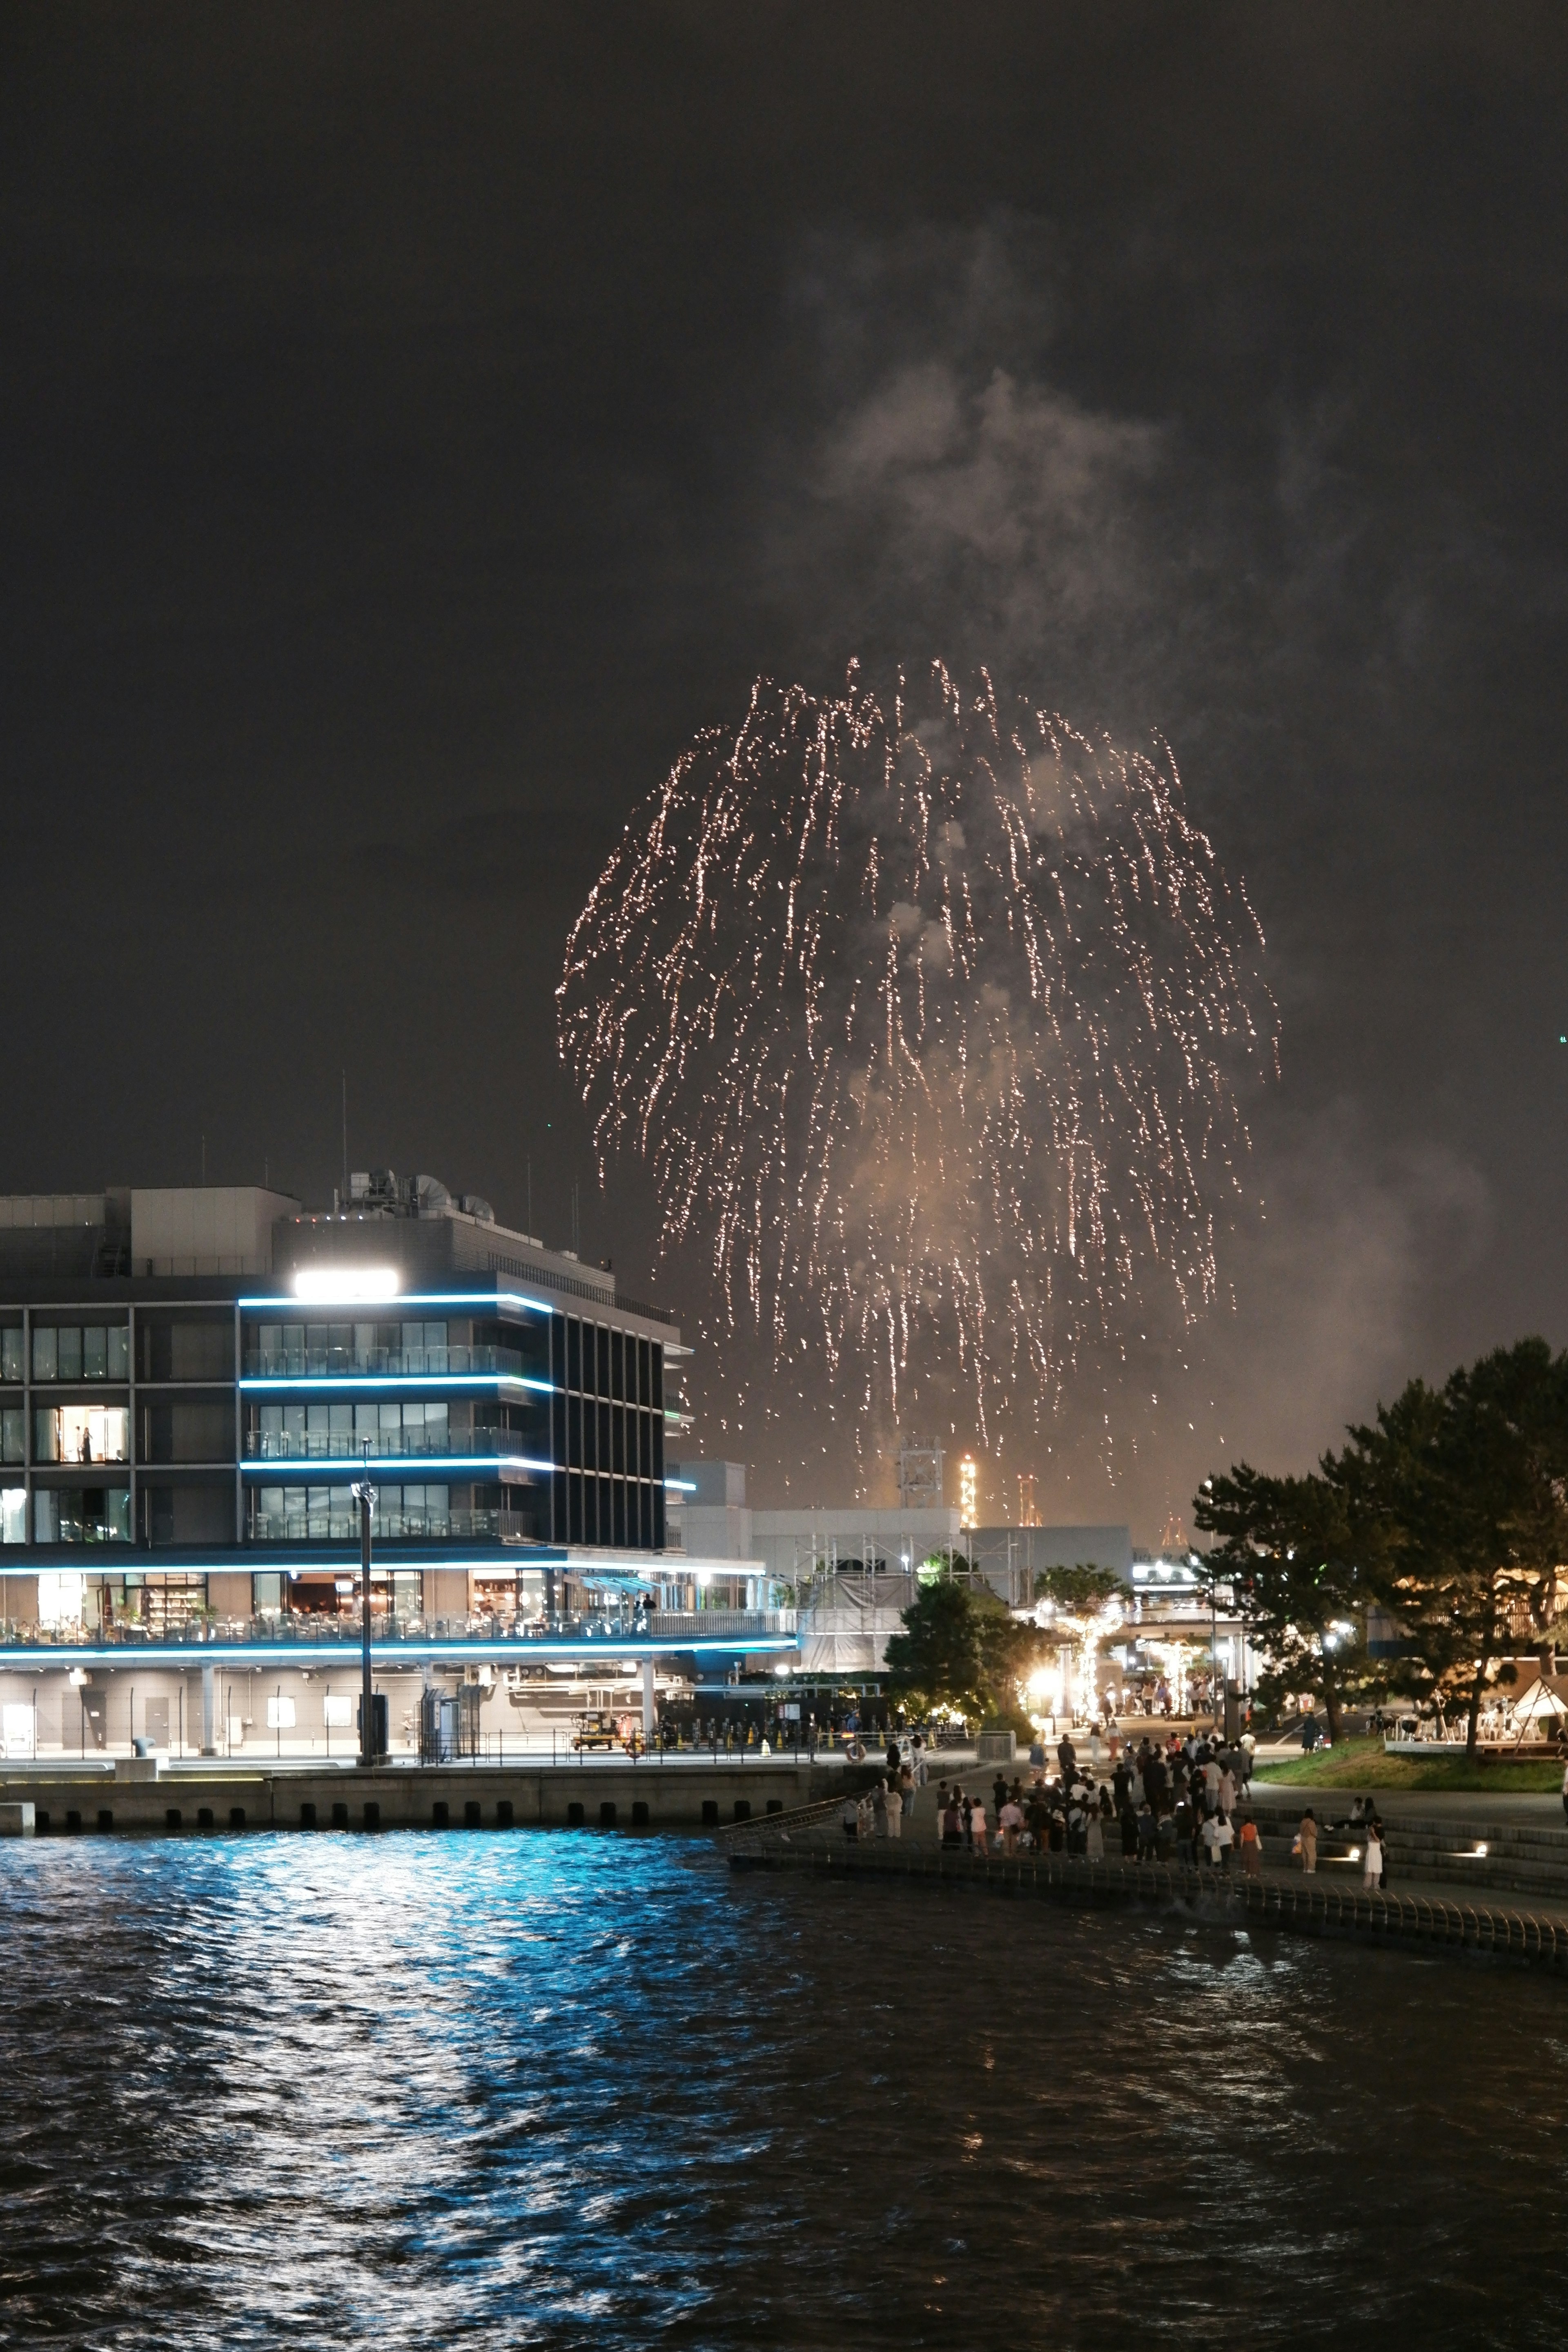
(596, 1731)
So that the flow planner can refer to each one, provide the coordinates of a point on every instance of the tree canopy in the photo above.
(1291, 1555)
(959, 1648)
(1080, 1589)
(1450, 1508)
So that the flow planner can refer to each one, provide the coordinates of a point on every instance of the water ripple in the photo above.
(591, 2090)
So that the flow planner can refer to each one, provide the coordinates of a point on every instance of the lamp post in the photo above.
(363, 1493)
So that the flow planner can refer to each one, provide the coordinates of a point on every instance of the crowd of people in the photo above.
(1170, 1800)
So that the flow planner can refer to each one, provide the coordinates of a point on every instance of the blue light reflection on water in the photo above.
(561, 2090)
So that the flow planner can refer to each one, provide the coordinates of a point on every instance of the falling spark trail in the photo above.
(927, 1020)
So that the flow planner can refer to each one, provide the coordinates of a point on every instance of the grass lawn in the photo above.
(1361, 1764)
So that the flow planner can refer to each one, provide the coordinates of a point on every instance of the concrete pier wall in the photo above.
(602, 1794)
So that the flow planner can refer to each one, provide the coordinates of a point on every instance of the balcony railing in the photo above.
(398, 1364)
(419, 1527)
(713, 1624)
(391, 1444)
(203, 1629)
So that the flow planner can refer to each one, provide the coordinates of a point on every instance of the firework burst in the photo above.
(927, 1019)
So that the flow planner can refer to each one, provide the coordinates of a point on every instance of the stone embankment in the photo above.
(1418, 1916)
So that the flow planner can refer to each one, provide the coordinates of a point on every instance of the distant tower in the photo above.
(1029, 1503)
(1173, 1537)
(968, 1491)
(920, 1477)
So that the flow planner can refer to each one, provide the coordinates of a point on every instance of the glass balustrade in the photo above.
(423, 1526)
(401, 1364)
(384, 1445)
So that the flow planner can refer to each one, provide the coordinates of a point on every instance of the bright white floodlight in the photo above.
(330, 1286)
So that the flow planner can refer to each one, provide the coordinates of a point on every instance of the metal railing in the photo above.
(202, 1628)
(1279, 1901)
(710, 1623)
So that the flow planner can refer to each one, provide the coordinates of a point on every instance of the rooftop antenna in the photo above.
(920, 1476)
(345, 1191)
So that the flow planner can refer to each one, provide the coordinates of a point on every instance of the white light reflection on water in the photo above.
(533, 2090)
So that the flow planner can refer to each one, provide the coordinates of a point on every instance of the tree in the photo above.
(960, 1649)
(936, 1661)
(1081, 1590)
(1292, 1554)
(1469, 1485)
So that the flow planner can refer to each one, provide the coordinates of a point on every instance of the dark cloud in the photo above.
(416, 423)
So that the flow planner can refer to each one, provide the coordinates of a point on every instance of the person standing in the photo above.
(893, 1811)
(977, 1826)
(1010, 1821)
(1148, 1834)
(850, 1817)
(1094, 1839)
(1307, 1840)
(952, 1822)
(1251, 1846)
(880, 1809)
(1372, 1859)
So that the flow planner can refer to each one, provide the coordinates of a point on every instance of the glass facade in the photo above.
(81, 1352)
(239, 1425)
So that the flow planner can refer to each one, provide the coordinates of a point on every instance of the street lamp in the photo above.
(363, 1493)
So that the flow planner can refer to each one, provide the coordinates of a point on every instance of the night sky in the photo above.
(417, 421)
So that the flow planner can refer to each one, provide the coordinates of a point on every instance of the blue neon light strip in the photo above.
(681, 1486)
(395, 1379)
(354, 1467)
(601, 1650)
(407, 1298)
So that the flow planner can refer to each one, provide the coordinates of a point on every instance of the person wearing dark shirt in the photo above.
(1129, 1834)
(1147, 1832)
(1067, 1757)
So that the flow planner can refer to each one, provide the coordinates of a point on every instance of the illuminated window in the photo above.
(81, 1432)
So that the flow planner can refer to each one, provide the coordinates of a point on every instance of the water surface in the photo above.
(558, 2090)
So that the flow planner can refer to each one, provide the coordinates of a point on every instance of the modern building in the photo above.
(193, 1381)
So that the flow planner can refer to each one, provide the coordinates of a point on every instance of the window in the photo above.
(72, 1351)
(61, 1595)
(13, 1433)
(70, 1515)
(81, 1432)
(13, 1515)
(10, 1352)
